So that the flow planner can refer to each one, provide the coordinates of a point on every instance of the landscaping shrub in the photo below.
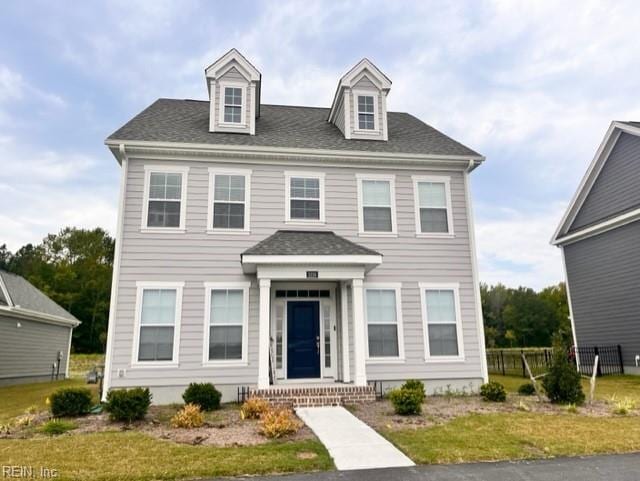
(190, 416)
(55, 427)
(415, 385)
(254, 408)
(128, 404)
(527, 389)
(562, 382)
(279, 422)
(406, 401)
(493, 391)
(204, 395)
(623, 406)
(73, 401)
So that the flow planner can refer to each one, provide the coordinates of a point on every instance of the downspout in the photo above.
(474, 272)
(113, 302)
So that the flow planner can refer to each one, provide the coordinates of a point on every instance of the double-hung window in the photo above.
(165, 197)
(384, 322)
(305, 197)
(433, 206)
(233, 105)
(441, 314)
(226, 322)
(366, 112)
(229, 200)
(376, 209)
(158, 323)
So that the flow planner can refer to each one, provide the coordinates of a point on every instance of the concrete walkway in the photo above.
(350, 442)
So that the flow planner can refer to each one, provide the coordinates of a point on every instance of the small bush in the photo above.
(526, 389)
(572, 409)
(55, 427)
(189, 417)
(562, 382)
(204, 395)
(406, 401)
(74, 401)
(278, 423)
(623, 406)
(128, 404)
(254, 408)
(493, 391)
(415, 385)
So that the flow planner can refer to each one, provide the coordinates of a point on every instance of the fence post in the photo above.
(522, 360)
(502, 361)
(596, 352)
(620, 359)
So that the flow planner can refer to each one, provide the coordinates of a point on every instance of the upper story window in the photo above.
(384, 321)
(442, 323)
(366, 116)
(165, 197)
(229, 200)
(233, 105)
(433, 205)
(376, 209)
(305, 197)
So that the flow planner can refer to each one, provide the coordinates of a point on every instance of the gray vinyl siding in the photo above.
(604, 283)
(196, 257)
(616, 190)
(28, 352)
(233, 76)
(340, 114)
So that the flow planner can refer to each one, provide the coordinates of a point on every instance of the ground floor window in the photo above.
(227, 316)
(383, 322)
(440, 306)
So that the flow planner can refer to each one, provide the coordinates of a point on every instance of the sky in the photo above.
(532, 86)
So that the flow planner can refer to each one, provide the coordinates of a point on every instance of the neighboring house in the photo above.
(35, 333)
(599, 236)
(269, 245)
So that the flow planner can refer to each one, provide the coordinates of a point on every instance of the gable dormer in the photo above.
(359, 108)
(234, 94)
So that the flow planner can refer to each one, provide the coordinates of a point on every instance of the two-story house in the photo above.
(293, 247)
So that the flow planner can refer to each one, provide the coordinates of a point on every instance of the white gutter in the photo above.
(605, 226)
(28, 314)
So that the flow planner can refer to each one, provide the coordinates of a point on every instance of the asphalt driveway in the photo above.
(624, 467)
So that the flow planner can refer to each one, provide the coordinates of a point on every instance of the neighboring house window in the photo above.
(226, 326)
(165, 197)
(433, 205)
(366, 116)
(441, 311)
(377, 204)
(229, 200)
(233, 105)
(384, 322)
(305, 197)
(158, 322)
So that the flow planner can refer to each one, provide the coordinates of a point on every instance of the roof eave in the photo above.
(30, 315)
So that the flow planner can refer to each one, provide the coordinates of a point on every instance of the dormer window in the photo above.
(366, 117)
(233, 105)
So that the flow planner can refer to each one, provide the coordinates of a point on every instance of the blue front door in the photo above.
(303, 339)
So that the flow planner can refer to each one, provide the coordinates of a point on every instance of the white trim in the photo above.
(599, 228)
(440, 179)
(385, 130)
(66, 368)
(230, 56)
(344, 323)
(571, 318)
(359, 334)
(391, 178)
(264, 331)
(246, 173)
(396, 287)
(208, 288)
(167, 169)
(141, 286)
(376, 131)
(5, 292)
(35, 316)
(223, 84)
(252, 110)
(444, 286)
(476, 278)
(288, 175)
(318, 260)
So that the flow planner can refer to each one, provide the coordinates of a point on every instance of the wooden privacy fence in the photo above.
(508, 362)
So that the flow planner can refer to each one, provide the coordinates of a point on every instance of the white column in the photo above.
(263, 333)
(344, 323)
(358, 332)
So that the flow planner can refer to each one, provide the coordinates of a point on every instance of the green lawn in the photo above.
(134, 456)
(606, 386)
(81, 364)
(501, 436)
(15, 399)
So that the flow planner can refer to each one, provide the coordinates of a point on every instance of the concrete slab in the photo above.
(350, 442)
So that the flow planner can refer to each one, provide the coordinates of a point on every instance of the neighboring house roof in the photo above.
(22, 297)
(280, 126)
(308, 243)
(564, 232)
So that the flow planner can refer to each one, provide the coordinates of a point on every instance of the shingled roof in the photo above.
(308, 243)
(187, 121)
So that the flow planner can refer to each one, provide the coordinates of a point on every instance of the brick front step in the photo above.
(330, 395)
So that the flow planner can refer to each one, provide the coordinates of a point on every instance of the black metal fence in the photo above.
(508, 362)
